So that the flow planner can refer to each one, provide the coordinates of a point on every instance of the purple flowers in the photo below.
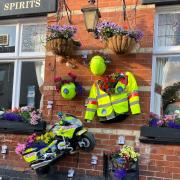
(11, 116)
(171, 121)
(153, 122)
(106, 30)
(120, 173)
(64, 31)
(24, 114)
(137, 35)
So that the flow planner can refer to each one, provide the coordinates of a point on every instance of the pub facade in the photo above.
(29, 68)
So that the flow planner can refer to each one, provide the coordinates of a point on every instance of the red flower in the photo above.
(56, 79)
(106, 86)
(72, 76)
(106, 79)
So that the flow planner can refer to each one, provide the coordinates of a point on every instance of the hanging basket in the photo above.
(60, 46)
(121, 44)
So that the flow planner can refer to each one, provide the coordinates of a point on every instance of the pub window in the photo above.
(7, 39)
(22, 55)
(31, 82)
(33, 38)
(165, 94)
(6, 84)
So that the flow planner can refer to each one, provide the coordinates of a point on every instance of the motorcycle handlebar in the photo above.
(60, 114)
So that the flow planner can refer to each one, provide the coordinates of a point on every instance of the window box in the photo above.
(15, 127)
(159, 135)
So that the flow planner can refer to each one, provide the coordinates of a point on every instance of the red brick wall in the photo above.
(140, 64)
(156, 162)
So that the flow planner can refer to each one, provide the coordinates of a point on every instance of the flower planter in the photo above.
(160, 135)
(121, 44)
(15, 127)
(132, 173)
(64, 47)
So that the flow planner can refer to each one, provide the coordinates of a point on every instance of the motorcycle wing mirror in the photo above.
(60, 114)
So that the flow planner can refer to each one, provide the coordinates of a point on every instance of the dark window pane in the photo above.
(30, 82)
(7, 39)
(6, 84)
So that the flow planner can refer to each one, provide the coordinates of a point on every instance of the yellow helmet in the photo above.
(97, 65)
(68, 91)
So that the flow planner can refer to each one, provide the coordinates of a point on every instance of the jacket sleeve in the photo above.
(91, 104)
(133, 95)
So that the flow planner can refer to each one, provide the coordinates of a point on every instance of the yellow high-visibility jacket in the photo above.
(109, 106)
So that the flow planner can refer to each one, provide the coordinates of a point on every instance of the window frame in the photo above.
(28, 54)
(3, 55)
(18, 58)
(169, 51)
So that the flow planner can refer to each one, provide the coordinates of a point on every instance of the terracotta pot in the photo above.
(121, 44)
(63, 47)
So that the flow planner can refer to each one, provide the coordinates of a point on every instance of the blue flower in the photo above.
(120, 160)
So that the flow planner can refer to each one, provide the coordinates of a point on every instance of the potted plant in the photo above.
(68, 87)
(59, 40)
(24, 120)
(125, 164)
(118, 39)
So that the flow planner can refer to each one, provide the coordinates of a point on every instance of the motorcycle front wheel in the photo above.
(88, 141)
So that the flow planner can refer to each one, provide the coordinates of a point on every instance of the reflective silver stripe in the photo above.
(119, 101)
(111, 116)
(105, 118)
(109, 104)
(90, 110)
(92, 99)
(134, 103)
(101, 96)
(98, 91)
(104, 105)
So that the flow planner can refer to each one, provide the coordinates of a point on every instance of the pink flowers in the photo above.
(20, 148)
(34, 118)
(31, 138)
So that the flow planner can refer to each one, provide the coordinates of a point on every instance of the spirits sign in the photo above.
(24, 8)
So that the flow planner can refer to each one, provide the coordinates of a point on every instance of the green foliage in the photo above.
(169, 94)
(26, 116)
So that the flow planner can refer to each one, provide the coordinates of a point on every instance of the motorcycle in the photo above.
(68, 134)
